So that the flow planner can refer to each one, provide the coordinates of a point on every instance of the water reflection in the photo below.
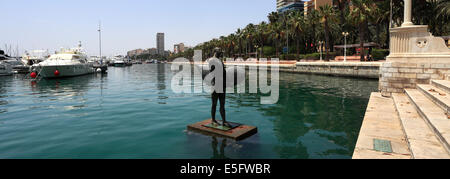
(312, 112)
(218, 154)
(75, 85)
(3, 96)
(71, 91)
(161, 83)
(316, 116)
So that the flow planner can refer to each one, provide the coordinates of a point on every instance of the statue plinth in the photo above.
(416, 44)
(416, 57)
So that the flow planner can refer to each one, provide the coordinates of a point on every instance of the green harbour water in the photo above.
(132, 113)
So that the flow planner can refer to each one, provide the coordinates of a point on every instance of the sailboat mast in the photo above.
(100, 41)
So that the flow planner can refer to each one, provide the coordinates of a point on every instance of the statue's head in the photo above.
(217, 53)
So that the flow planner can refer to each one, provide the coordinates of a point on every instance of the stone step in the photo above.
(442, 84)
(438, 96)
(422, 141)
(381, 122)
(433, 115)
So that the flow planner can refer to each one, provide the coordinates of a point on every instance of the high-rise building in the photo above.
(160, 43)
(286, 5)
(315, 5)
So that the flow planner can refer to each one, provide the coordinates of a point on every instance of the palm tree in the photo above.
(261, 32)
(249, 32)
(312, 23)
(362, 11)
(397, 12)
(277, 35)
(443, 13)
(443, 8)
(298, 25)
(231, 41)
(436, 15)
(342, 6)
(239, 36)
(381, 17)
(273, 17)
(285, 23)
(327, 14)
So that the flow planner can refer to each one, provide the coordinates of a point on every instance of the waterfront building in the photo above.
(160, 43)
(178, 48)
(315, 5)
(135, 52)
(152, 51)
(287, 5)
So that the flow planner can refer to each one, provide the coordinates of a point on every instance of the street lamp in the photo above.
(345, 34)
(256, 49)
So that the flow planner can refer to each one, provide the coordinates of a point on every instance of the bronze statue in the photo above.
(219, 90)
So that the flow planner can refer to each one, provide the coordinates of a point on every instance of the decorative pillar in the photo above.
(407, 15)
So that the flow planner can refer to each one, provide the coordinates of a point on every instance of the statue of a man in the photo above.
(217, 66)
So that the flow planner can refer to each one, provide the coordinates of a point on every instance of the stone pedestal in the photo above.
(416, 57)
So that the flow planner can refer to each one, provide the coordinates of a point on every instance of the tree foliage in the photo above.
(365, 20)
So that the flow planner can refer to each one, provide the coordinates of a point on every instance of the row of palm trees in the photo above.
(365, 20)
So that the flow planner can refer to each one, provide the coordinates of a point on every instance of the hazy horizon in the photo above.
(126, 25)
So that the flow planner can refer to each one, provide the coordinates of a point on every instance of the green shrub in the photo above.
(268, 51)
(289, 56)
(380, 54)
(301, 57)
(312, 56)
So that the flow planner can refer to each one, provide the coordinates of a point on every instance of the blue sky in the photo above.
(127, 24)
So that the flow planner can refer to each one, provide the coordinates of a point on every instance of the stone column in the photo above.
(407, 15)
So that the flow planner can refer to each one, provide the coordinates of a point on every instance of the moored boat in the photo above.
(119, 61)
(66, 63)
(34, 57)
(5, 67)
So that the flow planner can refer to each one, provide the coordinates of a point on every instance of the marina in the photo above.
(290, 79)
(118, 115)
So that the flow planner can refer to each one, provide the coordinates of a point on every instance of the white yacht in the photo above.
(66, 63)
(119, 61)
(34, 57)
(18, 66)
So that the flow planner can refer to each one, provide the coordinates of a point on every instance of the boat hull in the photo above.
(5, 70)
(21, 69)
(65, 70)
(119, 64)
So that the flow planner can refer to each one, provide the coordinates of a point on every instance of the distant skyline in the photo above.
(126, 25)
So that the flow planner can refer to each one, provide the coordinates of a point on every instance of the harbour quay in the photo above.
(369, 70)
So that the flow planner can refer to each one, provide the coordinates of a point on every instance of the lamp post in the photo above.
(256, 49)
(345, 34)
(320, 46)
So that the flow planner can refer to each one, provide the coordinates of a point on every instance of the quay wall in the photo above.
(396, 76)
(346, 69)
